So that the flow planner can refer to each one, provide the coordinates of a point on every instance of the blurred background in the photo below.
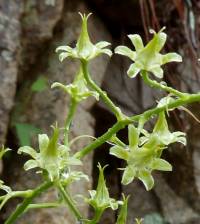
(30, 30)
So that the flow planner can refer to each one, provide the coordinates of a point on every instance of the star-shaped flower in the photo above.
(148, 58)
(143, 154)
(78, 89)
(84, 49)
(52, 157)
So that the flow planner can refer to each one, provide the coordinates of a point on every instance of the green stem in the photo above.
(43, 205)
(96, 218)
(22, 207)
(106, 136)
(15, 194)
(187, 99)
(72, 109)
(70, 203)
(116, 110)
(157, 85)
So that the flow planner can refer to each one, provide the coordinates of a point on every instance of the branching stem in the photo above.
(23, 206)
(157, 85)
(68, 121)
(189, 98)
(69, 201)
(116, 110)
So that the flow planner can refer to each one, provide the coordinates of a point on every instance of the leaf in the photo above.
(147, 179)
(39, 85)
(24, 133)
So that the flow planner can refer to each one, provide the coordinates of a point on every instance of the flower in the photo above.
(78, 89)
(84, 49)
(99, 198)
(143, 154)
(147, 58)
(52, 157)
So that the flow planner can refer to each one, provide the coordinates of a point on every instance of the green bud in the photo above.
(123, 211)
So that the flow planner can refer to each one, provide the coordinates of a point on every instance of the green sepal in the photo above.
(128, 175)
(147, 179)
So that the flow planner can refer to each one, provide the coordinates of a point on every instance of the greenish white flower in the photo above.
(85, 49)
(99, 198)
(78, 90)
(72, 176)
(143, 153)
(52, 157)
(148, 58)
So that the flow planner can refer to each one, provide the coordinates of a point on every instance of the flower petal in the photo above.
(63, 48)
(133, 70)
(157, 71)
(106, 51)
(123, 50)
(133, 137)
(119, 152)
(128, 175)
(170, 57)
(28, 150)
(147, 179)
(102, 44)
(161, 164)
(30, 164)
(137, 41)
(43, 140)
(160, 39)
(63, 55)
